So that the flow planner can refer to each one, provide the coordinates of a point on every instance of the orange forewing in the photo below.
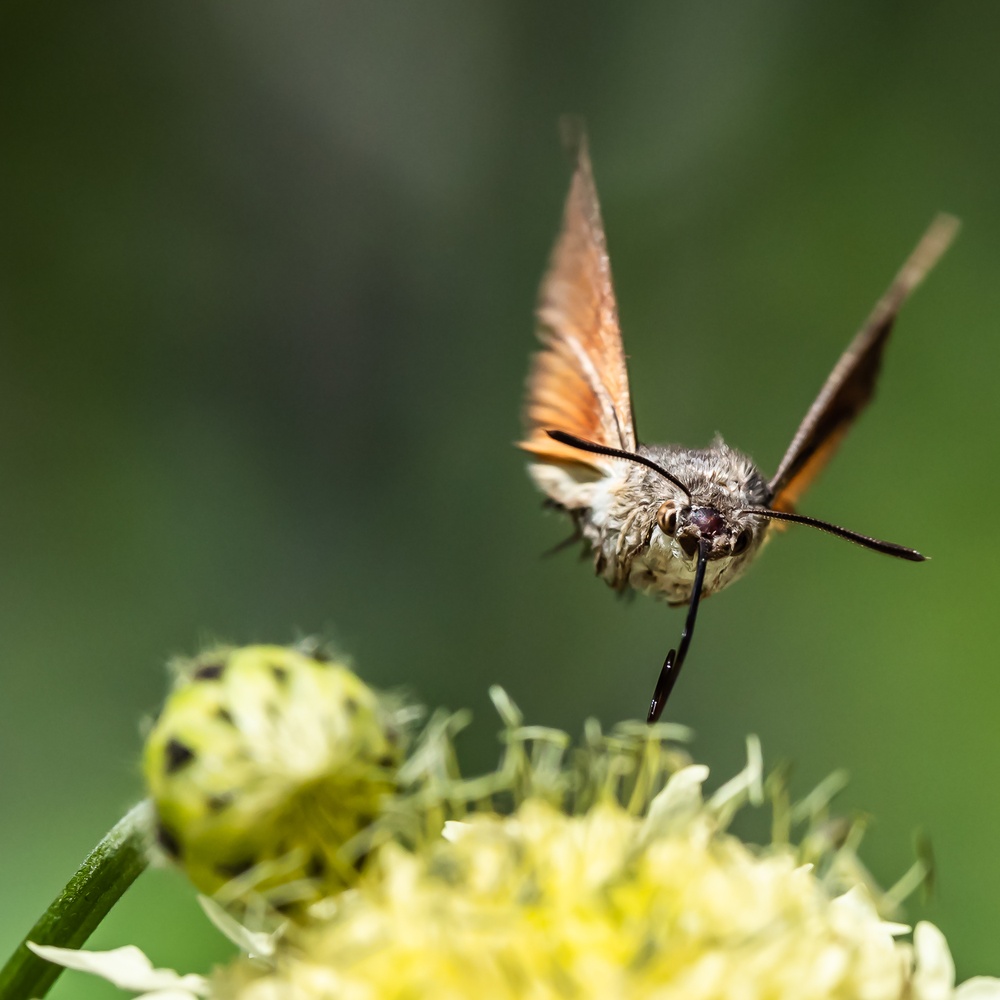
(578, 383)
(851, 384)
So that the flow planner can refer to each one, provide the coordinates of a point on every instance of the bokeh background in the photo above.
(268, 273)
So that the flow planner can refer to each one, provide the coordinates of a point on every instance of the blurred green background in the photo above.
(268, 273)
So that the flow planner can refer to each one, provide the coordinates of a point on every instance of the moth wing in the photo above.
(851, 384)
(578, 382)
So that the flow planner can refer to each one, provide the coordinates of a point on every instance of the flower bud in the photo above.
(265, 766)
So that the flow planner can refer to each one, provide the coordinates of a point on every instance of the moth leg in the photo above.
(572, 539)
(576, 516)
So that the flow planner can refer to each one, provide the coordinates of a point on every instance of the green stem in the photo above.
(110, 868)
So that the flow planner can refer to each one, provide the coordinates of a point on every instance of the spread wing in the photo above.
(851, 384)
(578, 382)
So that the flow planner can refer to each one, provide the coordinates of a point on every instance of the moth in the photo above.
(677, 523)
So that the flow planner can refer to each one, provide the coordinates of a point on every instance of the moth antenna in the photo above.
(599, 449)
(887, 548)
(675, 658)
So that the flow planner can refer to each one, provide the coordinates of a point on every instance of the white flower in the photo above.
(608, 876)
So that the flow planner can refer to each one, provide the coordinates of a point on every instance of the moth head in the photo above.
(717, 518)
(725, 530)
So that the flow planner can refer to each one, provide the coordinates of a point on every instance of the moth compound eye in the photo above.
(742, 542)
(666, 518)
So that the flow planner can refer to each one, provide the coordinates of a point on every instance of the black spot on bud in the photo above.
(208, 672)
(233, 869)
(216, 803)
(444, 868)
(280, 674)
(351, 706)
(177, 755)
(168, 842)
(314, 649)
(225, 716)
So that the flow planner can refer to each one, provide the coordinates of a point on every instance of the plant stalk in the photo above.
(110, 868)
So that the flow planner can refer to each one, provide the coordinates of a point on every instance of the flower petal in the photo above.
(679, 803)
(167, 995)
(979, 988)
(454, 828)
(745, 786)
(934, 976)
(258, 944)
(127, 968)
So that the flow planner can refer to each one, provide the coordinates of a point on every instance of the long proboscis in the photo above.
(600, 449)
(675, 658)
(876, 544)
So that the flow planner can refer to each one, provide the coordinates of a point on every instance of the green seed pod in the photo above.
(264, 766)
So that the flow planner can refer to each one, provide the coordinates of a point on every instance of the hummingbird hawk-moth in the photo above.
(677, 523)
